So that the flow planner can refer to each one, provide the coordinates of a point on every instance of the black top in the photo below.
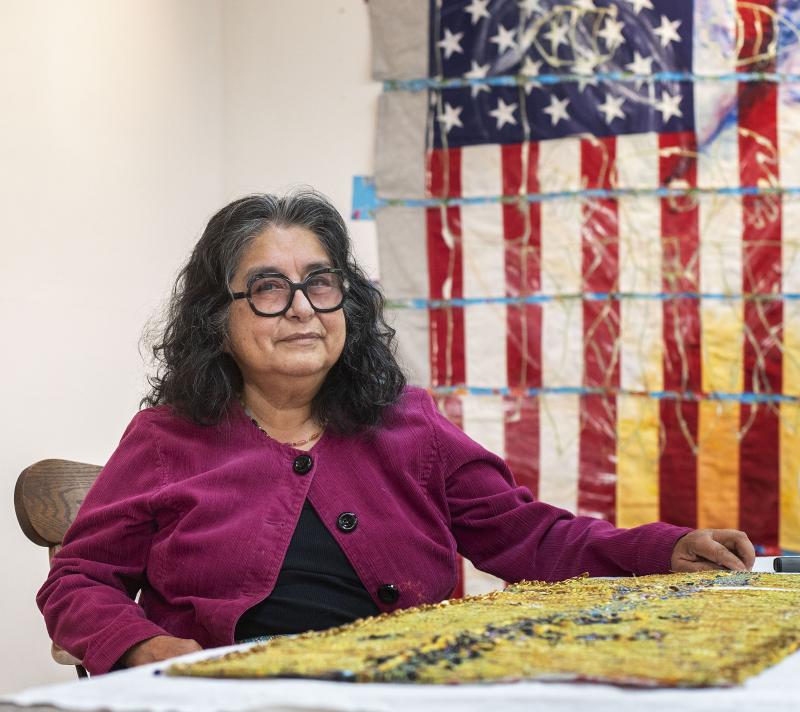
(317, 587)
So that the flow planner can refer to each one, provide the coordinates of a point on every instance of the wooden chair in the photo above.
(46, 499)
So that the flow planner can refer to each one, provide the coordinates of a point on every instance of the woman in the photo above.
(284, 478)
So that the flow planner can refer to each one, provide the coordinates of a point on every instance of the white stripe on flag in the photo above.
(481, 171)
(559, 435)
(720, 257)
(561, 220)
(637, 161)
(641, 338)
(484, 276)
(721, 273)
(715, 103)
(562, 344)
(562, 323)
(789, 144)
(483, 420)
(562, 365)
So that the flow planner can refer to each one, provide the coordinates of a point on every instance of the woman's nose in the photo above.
(300, 306)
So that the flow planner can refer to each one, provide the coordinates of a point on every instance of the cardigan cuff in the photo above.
(656, 547)
(101, 658)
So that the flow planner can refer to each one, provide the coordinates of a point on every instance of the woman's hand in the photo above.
(156, 649)
(705, 549)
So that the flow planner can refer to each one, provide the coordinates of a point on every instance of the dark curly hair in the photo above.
(198, 379)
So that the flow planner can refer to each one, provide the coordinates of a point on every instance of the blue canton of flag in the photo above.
(528, 38)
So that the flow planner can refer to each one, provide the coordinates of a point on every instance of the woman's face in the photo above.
(301, 343)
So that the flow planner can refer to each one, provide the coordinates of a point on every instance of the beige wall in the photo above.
(123, 126)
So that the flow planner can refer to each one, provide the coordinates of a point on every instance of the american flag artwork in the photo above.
(588, 224)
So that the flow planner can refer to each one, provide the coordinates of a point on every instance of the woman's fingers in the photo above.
(738, 542)
(705, 549)
(711, 550)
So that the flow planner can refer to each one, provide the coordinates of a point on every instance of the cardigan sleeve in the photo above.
(87, 599)
(501, 528)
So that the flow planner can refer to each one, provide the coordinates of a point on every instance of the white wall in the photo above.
(299, 103)
(123, 126)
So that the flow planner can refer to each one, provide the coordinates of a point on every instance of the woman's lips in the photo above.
(302, 337)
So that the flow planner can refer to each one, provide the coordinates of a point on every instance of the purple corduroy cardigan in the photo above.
(200, 517)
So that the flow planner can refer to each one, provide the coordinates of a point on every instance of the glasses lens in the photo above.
(270, 294)
(325, 290)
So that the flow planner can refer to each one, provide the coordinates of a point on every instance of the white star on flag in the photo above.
(585, 66)
(669, 106)
(477, 9)
(477, 71)
(587, 5)
(531, 69)
(451, 43)
(451, 116)
(504, 39)
(612, 33)
(504, 113)
(557, 35)
(557, 110)
(668, 31)
(612, 108)
(639, 4)
(640, 65)
(529, 6)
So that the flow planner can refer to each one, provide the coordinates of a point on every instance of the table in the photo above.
(775, 690)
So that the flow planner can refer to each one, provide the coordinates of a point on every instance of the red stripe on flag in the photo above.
(759, 480)
(680, 239)
(445, 281)
(522, 440)
(601, 324)
(450, 406)
(444, 173)
(522, 233)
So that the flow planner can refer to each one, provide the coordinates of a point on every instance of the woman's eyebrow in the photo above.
(272, 269)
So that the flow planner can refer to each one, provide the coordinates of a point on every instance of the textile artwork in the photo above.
(674, 630)
(588, 217)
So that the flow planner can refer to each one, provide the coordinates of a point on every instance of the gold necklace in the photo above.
(298, 443)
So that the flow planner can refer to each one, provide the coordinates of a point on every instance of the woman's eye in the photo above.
(322, 280)
(268, 285)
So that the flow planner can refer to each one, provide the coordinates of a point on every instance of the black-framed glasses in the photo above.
(272, 293)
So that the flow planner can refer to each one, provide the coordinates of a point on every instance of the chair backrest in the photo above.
(46, 498)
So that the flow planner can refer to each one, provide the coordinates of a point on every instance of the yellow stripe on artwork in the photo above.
(637, 460)
(791, 347)
(789, 532)
(718, 465)
(789, 142)
(722, 337)
(723, 331)
(721, 273)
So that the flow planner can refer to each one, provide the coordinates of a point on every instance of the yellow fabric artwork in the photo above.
(675, 630)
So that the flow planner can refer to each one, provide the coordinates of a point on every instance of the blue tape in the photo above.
(421, 303)
(589, 193)
(365, 198)
(512, 80)
(749, 398)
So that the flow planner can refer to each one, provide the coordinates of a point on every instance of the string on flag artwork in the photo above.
(588, 222)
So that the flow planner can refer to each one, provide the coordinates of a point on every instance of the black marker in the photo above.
(787, 564)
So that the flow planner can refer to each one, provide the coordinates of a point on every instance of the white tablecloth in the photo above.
(775, 690)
